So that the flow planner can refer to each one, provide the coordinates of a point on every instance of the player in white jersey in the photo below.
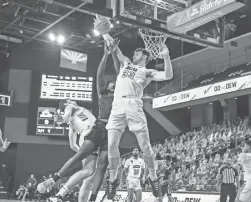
(244, 194)
(80, 122)
(135, 167)
(127, 110)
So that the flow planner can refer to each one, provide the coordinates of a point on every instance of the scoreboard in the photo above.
(47, 90)
(63, 87)
(46, 124)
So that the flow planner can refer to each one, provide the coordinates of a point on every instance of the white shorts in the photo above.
(127, 112)
(133, 183)
(245, 193)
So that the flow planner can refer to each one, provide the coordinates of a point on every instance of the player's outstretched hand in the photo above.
(5, 146)
(113, 46)
(97, 18)
(164, 51)
(106, 49)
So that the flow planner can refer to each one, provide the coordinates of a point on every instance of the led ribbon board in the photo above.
(229, 86)
(200, 14)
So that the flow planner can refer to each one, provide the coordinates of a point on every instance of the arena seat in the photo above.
(214, 188)
(218, 76)
(208, 187)
(213, 182)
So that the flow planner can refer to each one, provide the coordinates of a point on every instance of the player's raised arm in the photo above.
(1, 138)
(73, 139)
(101, 84)
(4, 144)
(167, 74)
(115, 42)
(121, 57)
(115, 58)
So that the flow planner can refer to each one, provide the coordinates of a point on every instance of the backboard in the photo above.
(202, 23)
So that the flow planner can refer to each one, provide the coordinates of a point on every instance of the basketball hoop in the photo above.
(152, 41)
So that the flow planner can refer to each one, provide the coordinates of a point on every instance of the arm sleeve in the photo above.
(143, 164)
(242, 158)
(127, 163)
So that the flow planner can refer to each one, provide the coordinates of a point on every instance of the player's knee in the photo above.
(130, 197)
(89, 170)
(144, 142)
(102, 166)
(147, 149)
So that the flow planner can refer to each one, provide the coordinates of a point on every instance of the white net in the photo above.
(152, 42)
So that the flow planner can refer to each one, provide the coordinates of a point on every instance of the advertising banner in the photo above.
(219, 88)
(177, 197)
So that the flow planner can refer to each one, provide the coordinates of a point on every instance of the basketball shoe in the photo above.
(42, 187)
(112, 189)
(155, 188)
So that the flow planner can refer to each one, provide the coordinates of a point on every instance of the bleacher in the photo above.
(218, 76)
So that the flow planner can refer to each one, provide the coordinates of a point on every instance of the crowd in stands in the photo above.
(194, 159)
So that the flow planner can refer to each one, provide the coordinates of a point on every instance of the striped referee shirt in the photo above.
(228, 174)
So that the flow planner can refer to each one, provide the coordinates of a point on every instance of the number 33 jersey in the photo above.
(134, 166)
(131, 81)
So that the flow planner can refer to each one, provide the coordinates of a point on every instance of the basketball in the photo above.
(103, 26)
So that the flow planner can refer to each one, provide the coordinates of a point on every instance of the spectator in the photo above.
(31, 186)
(22, 192)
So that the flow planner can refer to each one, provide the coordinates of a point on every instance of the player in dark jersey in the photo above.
(164, 172)
(105, 93)
(97, 139)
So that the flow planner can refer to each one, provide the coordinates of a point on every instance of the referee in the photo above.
(228, 176)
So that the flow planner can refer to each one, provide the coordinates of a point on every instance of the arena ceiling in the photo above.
(32, 20)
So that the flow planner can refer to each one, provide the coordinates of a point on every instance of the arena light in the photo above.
(52, 37)
(96, 32)
(112, 25)
(5, 3)
(60, 39)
